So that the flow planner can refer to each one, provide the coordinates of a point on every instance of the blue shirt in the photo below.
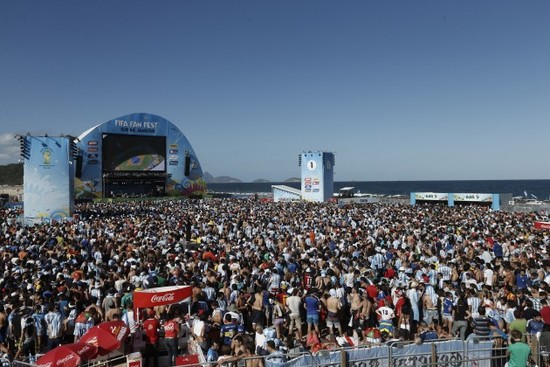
(292, 268)
(212, 355)
(312, 305)
(497, 249)
(521, 281)
(228, 331)
(428, 335)
(447, 306)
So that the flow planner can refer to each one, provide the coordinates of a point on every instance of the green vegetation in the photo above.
(11, 174)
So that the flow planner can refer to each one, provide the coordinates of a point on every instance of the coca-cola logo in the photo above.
(169, 327)
(121, 332)
(62, 361)
(168, 297)
(84, 349)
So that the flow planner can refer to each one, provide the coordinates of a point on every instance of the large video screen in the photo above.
(134, 153)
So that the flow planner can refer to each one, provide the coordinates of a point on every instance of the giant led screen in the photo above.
(134, 153)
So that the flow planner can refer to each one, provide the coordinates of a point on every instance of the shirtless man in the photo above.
(333, 314)
(355, 301)
(257, 304)
(430, 310)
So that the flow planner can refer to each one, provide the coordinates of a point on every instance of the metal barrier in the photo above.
(473, 352)
(17, 363)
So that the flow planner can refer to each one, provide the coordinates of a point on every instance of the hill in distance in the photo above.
(220, 179)
(11, 174)
(227, 179)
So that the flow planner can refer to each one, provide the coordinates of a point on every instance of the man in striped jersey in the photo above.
(378, 262)
(473, 302)
(445, 270)
(54, 326)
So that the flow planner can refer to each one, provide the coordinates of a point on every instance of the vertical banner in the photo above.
(47, 180)
(317, 176)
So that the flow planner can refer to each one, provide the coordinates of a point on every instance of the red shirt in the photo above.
(308, 281)
(390, 273)
(151, 327)
(399, 305)
(171, 329)
(372, 291)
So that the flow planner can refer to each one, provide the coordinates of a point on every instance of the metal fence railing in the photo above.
(473, 352)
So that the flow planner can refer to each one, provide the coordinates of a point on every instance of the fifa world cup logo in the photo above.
(47, 156)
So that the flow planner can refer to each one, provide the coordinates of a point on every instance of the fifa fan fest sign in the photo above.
(141, 153)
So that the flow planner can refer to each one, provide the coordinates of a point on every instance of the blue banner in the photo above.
(450, 353)
(47, 180)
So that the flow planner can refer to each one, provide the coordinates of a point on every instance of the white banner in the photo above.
(449, 354)
(436, 196)
(473, 197)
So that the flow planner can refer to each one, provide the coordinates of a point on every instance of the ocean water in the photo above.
(534, 188)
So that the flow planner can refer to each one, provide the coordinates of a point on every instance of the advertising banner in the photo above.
(434, 196)
(47, 180)
(161, 296)
(312, 174)
(473, 197)
(448, 353)
(542, 225)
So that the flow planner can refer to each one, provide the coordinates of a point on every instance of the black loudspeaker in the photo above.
(78, 167)
(187, 165)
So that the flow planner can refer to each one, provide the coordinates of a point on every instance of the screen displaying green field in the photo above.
(142, 162)
(134, 153)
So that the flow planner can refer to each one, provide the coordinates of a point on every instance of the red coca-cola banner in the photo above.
(161, 296)
(542, 225)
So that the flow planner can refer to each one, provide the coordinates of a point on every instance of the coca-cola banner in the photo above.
(161, 296)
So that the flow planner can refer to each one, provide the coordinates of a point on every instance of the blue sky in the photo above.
(399, 90)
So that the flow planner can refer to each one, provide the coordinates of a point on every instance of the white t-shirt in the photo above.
(386, 313)
(294, 303)
(488, 277)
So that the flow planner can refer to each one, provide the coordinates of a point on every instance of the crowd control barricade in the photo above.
(473, 352)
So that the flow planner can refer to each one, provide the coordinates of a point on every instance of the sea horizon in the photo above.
(534, 188)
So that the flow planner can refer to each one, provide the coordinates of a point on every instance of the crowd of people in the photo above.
(270, 277)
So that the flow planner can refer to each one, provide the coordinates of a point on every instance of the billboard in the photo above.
(136, 147)
(134, 153)
(47, 180)
(487, 198)
(317, 176)
(431, 196)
